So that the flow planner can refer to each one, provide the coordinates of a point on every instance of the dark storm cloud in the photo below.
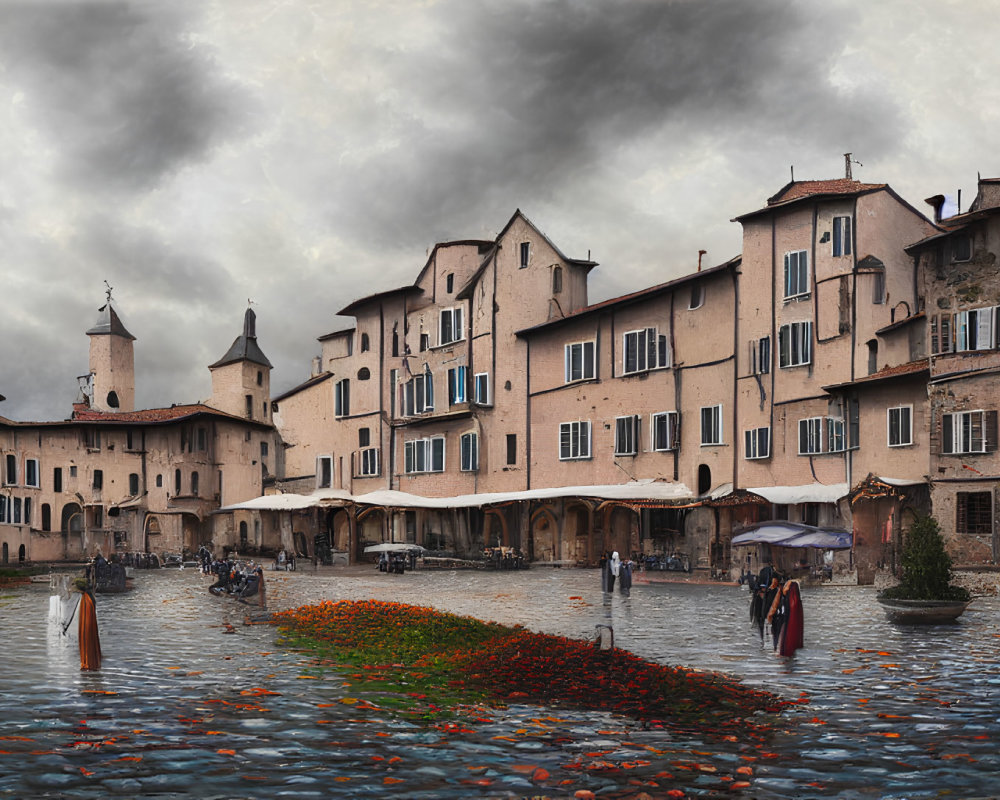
(121, 94)
(520, 100)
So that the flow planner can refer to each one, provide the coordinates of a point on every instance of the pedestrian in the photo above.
(603, 563)
(90, 640)
(786, 619)
(614, 567)
(625, 577)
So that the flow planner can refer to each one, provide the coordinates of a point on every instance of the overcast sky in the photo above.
(303, 154)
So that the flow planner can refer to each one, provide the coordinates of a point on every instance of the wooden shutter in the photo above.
(991, 431)
(946, 334)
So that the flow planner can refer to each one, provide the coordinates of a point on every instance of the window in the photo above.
(369, 461)
(364, 374)
(810, 436)
(457, 379)
(961, 248)
(27, 510)
(974, 329)
(260, 378)
(878, 287)
(835, 440)
(364, 437)
(760, 355)
(795, 344)
(418, 394)
(57, 479)
(974, 513)
(757, 443)
(470, 452)
(366, 342)
(249, 405)
(697, 299)
(177, 481)
(841, 236)
(711, 425)
(969, 432)
(449, 282)
(424, 455)
(46, 517)
(574, 440)
(900, 424)
(133, 484)
(579, 361)
(159, 481)
(195, 481)
(511, 449)
(626, 435)
(853, 423)
(31, 472)
(664, 431)
(941, 334)
(450, 329)
(425, 341)
(644, 350)
(10, 477)
(3, 508)
(324, 472)
(201, 440)
(482, 388)
(16, 502)
(796, 274)
(264, 449)
(525, 252)
(130, 439)
(98, 479)
(342, 398)
(556, 280)
(72, 471)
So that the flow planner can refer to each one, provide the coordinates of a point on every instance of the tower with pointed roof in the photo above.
(112, 362)
(241, 379)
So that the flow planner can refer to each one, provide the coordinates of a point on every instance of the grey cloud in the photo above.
(117, 88)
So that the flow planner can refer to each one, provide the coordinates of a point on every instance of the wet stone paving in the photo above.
(183, 708)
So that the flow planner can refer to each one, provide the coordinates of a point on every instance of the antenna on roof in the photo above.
(847, 165)
(792, 168)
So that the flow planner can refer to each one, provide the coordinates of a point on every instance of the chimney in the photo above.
(847, 166)
(937, 203)
(700, 254)
(317, 366)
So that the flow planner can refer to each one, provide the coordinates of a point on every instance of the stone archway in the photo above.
(578, 534)
(495, 530)
(544, 535)
(72, 531)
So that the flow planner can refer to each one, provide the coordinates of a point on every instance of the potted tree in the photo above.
(925, 593)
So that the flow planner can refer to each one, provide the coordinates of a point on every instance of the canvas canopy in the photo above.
(781, 533)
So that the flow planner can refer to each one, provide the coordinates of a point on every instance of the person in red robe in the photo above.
(787, 620)
(90, 640)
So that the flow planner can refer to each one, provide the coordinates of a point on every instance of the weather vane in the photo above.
(108, 290)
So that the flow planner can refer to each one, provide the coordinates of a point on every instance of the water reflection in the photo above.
(182, 708)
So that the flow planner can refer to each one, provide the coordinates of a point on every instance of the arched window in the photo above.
(194, 483)
(556, 280)
(704, 479)
(113, 400)
(21, 554)
(46, 517)
(364, 374)
(243, 535)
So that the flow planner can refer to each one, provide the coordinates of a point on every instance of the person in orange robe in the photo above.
(90, 640)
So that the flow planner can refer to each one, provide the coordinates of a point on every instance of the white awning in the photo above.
(901, 481)
(808, 493)
(275, 502)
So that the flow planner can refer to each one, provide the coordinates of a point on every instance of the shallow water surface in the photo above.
(182, 708)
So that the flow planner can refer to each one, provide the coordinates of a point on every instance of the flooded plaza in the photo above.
(180, 708)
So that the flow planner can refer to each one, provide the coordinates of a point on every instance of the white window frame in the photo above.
(841, 245)
(964, 438)
(836, 435)
(975, 329)
(578, 351)
(904, 432)
(424, 455)
(524, 254)
(712, 434)
(697, 298)
(368, 459)
(795, 344)
(319, 472)
(574, 440)
(342, 398)
(454, 317)
(481, 383)
(627, 435)
(647, 350)
(797, 275)
(28, 481)
(418, 394)
(458, 379)
(663, 423)
(469, 452)
(757, 443)
(813, 429)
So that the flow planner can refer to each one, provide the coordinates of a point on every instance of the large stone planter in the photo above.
(923, 612)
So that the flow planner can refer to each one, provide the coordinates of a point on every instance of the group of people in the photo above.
(504, 557)
(778, 603)
(614, 569)
(397, 562)
(238, 579)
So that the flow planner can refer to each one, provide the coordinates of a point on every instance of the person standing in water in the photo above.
(787, 619)
(614, 567)
(90, 640)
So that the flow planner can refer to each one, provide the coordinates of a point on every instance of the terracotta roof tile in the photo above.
(149, 415)
(896, 371)
(800, 189)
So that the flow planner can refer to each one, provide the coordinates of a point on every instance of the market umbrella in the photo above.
(393, 547)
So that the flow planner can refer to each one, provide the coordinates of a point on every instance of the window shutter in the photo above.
(991, 431)
(947, 434)
(984, 335)
(945, 333)
(935, 338)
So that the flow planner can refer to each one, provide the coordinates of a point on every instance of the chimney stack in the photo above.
(700, 254)
(937, 203)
